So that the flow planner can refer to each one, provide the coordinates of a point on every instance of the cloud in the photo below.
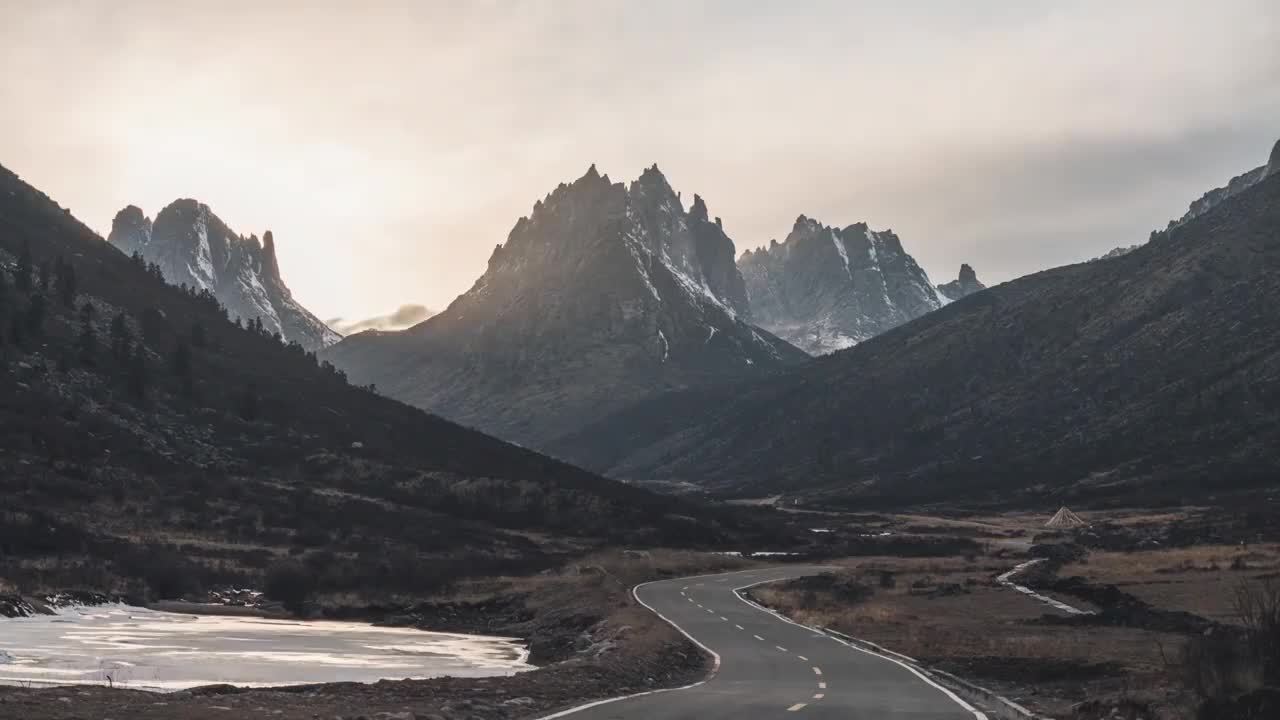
(405, 316)
(1012, 136)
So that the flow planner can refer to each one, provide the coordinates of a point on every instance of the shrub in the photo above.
(1228, 661)
(290, 582)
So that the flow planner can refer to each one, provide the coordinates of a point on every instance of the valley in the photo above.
(905, 414)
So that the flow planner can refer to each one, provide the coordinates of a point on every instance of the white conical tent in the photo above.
(1064, 518)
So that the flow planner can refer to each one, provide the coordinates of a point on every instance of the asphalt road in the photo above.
(771, 668)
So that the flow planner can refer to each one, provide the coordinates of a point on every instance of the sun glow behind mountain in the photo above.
(390, 146)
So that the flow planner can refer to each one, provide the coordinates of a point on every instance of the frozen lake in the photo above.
(149, 650)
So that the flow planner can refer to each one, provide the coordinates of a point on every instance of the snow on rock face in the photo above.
(825, 289)
(604, 294)
(130, 230)
(194, 247)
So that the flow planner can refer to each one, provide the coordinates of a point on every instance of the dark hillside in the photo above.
(143, 436)
(1152, 377)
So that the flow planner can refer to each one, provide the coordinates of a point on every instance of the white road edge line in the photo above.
(782, 648)
(803, 658)
(977, 714)
(739, 627)
(817, 671)
(758, 638)
(715, 665)
(818, 696)
(822, 686)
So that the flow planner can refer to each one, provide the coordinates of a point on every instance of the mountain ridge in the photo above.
(194, 247)
(827, 288)
(606, 292)
(1154, 375)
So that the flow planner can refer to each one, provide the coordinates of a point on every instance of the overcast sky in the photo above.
(391, 145)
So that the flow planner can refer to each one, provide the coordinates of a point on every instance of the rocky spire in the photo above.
(966, 284)
(1273, 162)
(699, 209)
(130, 230)
(270, 266)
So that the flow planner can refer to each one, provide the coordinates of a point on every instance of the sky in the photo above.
(391, 145)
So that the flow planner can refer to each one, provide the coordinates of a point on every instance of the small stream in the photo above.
(145, 649)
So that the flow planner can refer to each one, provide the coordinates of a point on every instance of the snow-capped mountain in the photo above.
(964, 285)
(605, 294)
(194, 247)
(825, 289)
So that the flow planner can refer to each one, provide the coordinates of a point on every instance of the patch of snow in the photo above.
(204, 257)
(872, 240)
(635, 247)
(760, 553)
(666, 347)
(844, 254)
(710, 334)
(259, 301)
(696, 289)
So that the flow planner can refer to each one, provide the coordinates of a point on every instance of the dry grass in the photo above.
(989, 633)
(1198, 579)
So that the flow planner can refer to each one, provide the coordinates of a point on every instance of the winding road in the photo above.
(769, 667)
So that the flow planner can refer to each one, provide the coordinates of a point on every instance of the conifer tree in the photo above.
(35, 315)
(24, 268)
(138, 378)
(66, 277)
(121, 339)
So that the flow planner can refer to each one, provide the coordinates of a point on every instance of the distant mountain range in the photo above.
(825, 288)
(194, 247)
(605, 294)
(1153, 376)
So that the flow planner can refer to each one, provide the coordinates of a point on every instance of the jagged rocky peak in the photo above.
(194, 247)
(1237, 185)
(130, 230)
(964, 285)
(649, 222)
(270, 265)
(607, 293)
(824, 288)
